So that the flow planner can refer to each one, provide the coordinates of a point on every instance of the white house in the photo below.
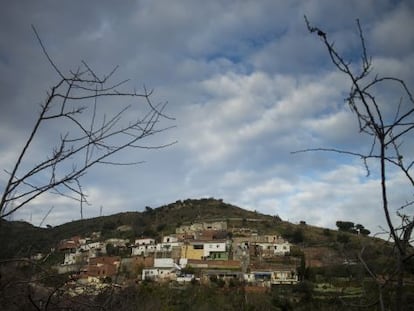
(214, 247)
(164, 269)
(159, 274)
(117, 242)
(165, 263)
(94, 248)
(70, 259)
(144, 249)
(169, 239)
(144, 241)
(284, 276)
(275, 248)
(168, 246)
(272, 277)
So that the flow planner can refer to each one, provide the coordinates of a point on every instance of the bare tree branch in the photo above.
(92, 136)
(385, 148)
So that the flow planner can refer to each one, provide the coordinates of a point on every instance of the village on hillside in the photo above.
(205, 252)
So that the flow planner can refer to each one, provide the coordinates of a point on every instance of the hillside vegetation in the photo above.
(21, 239)
(332, 265)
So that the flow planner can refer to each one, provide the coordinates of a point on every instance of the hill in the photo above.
(21, 239)
(334, 267)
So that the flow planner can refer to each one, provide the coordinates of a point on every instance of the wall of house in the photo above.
(213, 247)
(158, 274)
(143, 249)
(167, 246)
(218, 256)
(164, 263)
(169, 239)
(190, 251)
(147, 241)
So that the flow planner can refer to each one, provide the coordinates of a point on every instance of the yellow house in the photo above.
(192, 250)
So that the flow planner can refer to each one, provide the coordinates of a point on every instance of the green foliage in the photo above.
(345, 225)
(297, 236)
(348, 226)
(294, 235)
(108, 225)
(53, 258)
(343, 238)
(305, 290)
(161, 227)
(153, 296)
(327, 232)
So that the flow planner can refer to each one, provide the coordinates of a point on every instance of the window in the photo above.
(198, 246)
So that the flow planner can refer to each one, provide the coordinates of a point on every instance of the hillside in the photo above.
(21, 239)
(323, 267)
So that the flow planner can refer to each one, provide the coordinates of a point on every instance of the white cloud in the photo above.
(392, 34)
(247, 83)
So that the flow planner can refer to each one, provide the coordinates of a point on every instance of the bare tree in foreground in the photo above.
(388, 133)
(92, 138)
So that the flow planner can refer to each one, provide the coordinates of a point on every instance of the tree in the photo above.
(348, 226)
(91, 138)
(344, 225)
(388, 131)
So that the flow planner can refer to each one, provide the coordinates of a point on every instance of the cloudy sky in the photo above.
(246, 83)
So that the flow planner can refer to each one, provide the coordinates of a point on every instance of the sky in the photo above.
(247, 85)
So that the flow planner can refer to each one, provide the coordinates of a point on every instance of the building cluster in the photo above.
(204, 252)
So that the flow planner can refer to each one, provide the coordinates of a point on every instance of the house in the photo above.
(159, 274)
(144, 241)
(144, 247)
(266, 246)
(185, 278)
(205, 250)
(273, 249)
(269, 277)
(196, 227)
(193, 250)
(165, 269)
(134, 265)
(182, 237)
(227, 276)
(169, 239)
(207, 235)
(168, 244)
(216, 250)
(210, 264)
(101, 267)
(70, 258)
(94, 249)
(117, 242)
(284, 276)
(69, 245)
